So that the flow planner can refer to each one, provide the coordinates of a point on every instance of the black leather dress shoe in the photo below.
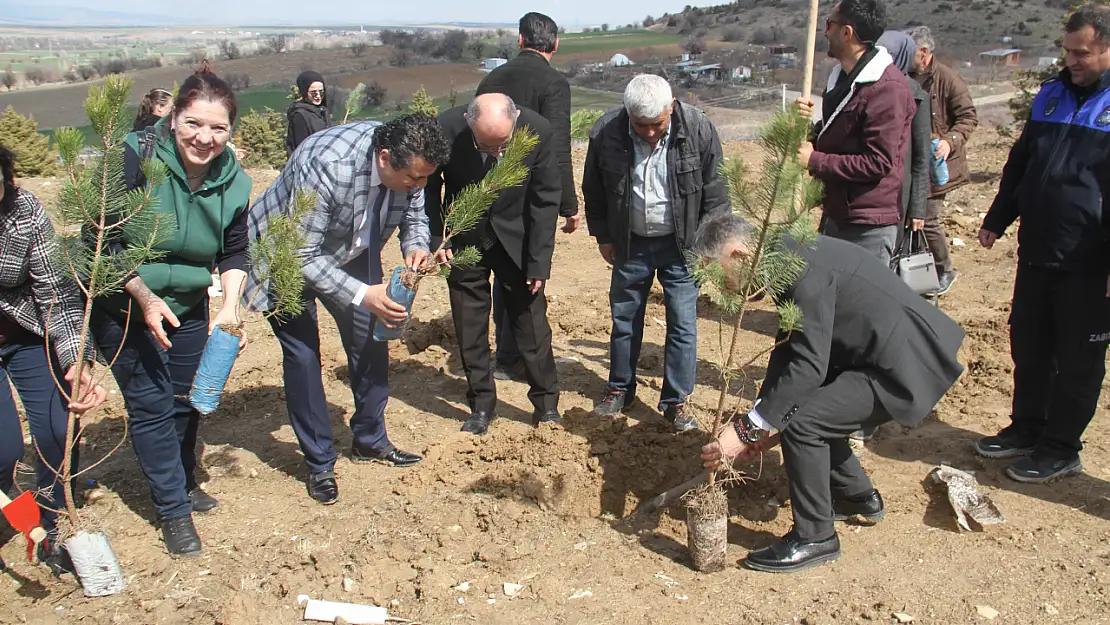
(550, 416)
(181, 536)
(790, 554)
(387, 455)
(478, 423)
(868, 507)
(322, 487)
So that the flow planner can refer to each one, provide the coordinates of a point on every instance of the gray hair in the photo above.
(719, 229)
(923, 37)
(508, 109)
(647, 96)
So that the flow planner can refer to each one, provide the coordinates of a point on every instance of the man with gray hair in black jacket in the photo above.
(651, 176)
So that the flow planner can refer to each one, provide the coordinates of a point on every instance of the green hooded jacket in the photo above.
(182, 277)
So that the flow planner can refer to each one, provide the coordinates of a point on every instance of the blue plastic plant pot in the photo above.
(404, 296)
(215, 366)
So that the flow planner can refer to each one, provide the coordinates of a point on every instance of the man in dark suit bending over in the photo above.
(531, 81)
(516, 238)
(870, 350)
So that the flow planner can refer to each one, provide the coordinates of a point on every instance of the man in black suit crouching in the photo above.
(870, 350)
(516, 238)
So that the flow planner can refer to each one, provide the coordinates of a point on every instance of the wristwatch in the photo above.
(747, 431)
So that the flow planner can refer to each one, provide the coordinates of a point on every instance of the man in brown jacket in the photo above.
(954, 120)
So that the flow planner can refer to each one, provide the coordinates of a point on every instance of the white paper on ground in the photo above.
(327, 611)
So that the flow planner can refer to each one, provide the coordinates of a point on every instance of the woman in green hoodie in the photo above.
(207, 192)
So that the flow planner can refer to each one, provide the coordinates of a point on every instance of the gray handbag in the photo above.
(913, 262)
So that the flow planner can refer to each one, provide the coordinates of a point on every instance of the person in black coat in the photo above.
(516, 237)
(531, 81)
(309, 114)
(155, 105)
(870, 350)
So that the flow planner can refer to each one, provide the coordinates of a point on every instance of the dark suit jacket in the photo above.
(532, 83)
(857, 314)
(523, 217)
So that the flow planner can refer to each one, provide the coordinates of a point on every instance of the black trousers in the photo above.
(527, 315)
(818, 458)
(367, 365)
(935, 235)
(1059, 330)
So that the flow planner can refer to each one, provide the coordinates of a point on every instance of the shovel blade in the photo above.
(23, 513)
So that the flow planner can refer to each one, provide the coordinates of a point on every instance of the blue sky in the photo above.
(565, 12)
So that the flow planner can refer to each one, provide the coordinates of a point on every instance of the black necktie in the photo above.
(374, 244)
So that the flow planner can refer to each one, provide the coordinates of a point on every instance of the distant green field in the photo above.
(275, 98)
(589, 99)
(591, 42)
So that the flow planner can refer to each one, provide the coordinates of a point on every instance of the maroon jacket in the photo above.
(860, 151)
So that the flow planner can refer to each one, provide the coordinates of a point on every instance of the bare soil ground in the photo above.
(542, 508)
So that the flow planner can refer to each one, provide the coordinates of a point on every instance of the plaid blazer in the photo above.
(335, 164)
(34, 291)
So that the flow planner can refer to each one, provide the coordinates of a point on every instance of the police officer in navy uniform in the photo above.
(1056, 180)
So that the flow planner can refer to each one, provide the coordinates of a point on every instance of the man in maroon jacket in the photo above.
(859, 149)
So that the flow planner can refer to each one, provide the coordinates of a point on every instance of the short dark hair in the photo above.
(718, 229)
(7, 178)
(866, 17)
(1094, 15)
(539, 32)
(410, 136)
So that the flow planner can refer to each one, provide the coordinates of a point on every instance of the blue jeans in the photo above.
(155, 386)
(628, 295)
(367, 366)
(25, 363)
(508, 354)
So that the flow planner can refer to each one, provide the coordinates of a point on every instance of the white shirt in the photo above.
(362, 229)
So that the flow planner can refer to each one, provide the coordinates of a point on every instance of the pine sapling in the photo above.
(95, 209)
(777, 205)
(461, 216)
(354, 101)
(475, 200)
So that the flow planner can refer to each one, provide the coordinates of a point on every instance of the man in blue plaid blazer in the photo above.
(368, 179)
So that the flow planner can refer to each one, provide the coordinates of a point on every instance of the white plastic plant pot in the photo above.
(96, 564)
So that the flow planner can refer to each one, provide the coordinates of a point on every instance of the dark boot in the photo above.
(181, 536)
(323, 488)
(202, 501)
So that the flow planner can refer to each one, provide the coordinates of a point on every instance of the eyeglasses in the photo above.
(497, 150)
(830, 22)
(315, 92)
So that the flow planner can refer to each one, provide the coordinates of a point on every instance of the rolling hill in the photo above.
(962, 27)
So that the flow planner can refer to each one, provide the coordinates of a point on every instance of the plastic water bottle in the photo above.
(940, 166)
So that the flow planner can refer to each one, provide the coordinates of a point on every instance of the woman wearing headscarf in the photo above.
(915, 188)
(309, 114)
